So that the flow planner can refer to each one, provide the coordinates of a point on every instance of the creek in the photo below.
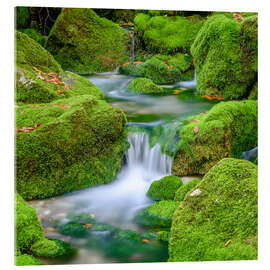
(153, 124)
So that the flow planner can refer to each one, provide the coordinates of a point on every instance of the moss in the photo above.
(167, 35)
(76, 37)
(222, 57)
(220, 223)
(26, 259)
(165, 188)
(33, 66)
(254, 92)
(32, 33)
(79, 143)
(227, 130)
(157, 215)
(145, 86)
(22, 17)
(163, 236)
(184, 189)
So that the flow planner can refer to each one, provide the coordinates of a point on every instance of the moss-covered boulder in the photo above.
(227, 130)
(254, 92)
(166, 34)
(184, 189)
(83, 42)
(66, 145)
(39, 78)
(144, 86)
(219, 220)
(225, 57)
(29, 237)
(157, 215)
(165, 188)
(32, 33)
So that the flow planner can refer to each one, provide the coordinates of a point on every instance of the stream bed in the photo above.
(152, 134)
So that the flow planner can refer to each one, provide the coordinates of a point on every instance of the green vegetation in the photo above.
(39, 78)
(145, 86)
(84, 43)
(32, 33)
(76, 143)
(30, 239)
(167, 35)
(157, 215)
(22, 17)
(220, 223)
(184, 189)
(225, 55)
(227, 130)
(165, 188)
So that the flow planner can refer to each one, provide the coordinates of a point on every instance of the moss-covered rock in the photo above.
(39, 78)
(157, 215)
(30, 239)
(219, 221)
(227, 130)
(225, 57)
(171, 34)
(83, 42)
(165, 188)
(184, 189)
(144, 86)
(32, 33)
(254, 92)
(75, 143)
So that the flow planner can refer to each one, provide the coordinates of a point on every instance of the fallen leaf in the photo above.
(37, 125)
(51, 74)
(196, 129)
(62, 106)
(89, 225)
(126, 64)
(36, 69)
(145, 241)
(65, 87)
(201, 113)
(227, 243)
(60, 92)
(181, 206)
(137, 63)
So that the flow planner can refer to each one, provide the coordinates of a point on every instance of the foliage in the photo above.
(222, 54)
(145, 86)
(80, 138)
(26, 259)
(184, 189)
(157, 215)
(254, 92)
(76, 37)
(22, 17)
(221, 222)
(32, 33)
(227, 130)
(165, 188)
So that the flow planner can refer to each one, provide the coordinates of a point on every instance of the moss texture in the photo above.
(165, 188)
(32, 33)
(157, 215)
(83, 42)
(35, 65)
(22, 17)
(225, 57)
(144, 86)
(184, 189)
(221, 222)
(227, 130)
(167, 35)
(29, 238)
(79, 142)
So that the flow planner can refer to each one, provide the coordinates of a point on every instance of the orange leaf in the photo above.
(137, 63)
(37, 125)
(36, 69)
(201, 113)
(181, 206)
(63, 106)
(60, 92)
(126, 64)
(196, 129)
(145, 241)
(51, 74)
(89, 225)
(66, 87)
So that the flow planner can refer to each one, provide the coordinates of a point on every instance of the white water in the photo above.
(117, 202)
(189, 84)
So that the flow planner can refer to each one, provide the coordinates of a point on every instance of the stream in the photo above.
(153, 122)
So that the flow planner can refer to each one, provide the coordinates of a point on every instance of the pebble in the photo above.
(196, 192)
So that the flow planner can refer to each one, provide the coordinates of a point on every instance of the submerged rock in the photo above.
(227, 130)
(220, 223)
(225, 57)
(67, 145)
(83, 42)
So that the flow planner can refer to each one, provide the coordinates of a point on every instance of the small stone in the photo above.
(196, 192)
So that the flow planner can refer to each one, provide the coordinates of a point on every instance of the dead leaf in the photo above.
(89, 225)
(181, 206)
(227, 243)
(60, 92)
(145, 241)
(196, 129)
(66, 87)
(62, 106)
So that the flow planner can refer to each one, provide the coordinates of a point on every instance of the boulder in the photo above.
(144, 86)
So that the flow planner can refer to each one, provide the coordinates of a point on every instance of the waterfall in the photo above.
(132, 45)
(151, 159)
(189, 84)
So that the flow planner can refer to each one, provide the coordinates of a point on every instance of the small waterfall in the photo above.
(189, 84)
(132, 45)
(151, 159)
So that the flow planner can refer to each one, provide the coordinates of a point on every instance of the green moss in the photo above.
(157, 215)
(32, 33)
(227, 130)
(254, 92)
(163, 236)
(220, 223)
(129, 69)
(22, 17)
(167, 35)
(79, 143)
(221, 52)
(26, 259)
(145, 86)
(33, 63)
(184, 189)
(83, 42)
(165, 188)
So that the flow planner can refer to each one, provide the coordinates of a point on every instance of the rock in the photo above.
(226, 209)
(144, 86)
(196, 192)
(82, 42)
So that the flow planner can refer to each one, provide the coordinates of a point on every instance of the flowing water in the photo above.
(153, 122)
